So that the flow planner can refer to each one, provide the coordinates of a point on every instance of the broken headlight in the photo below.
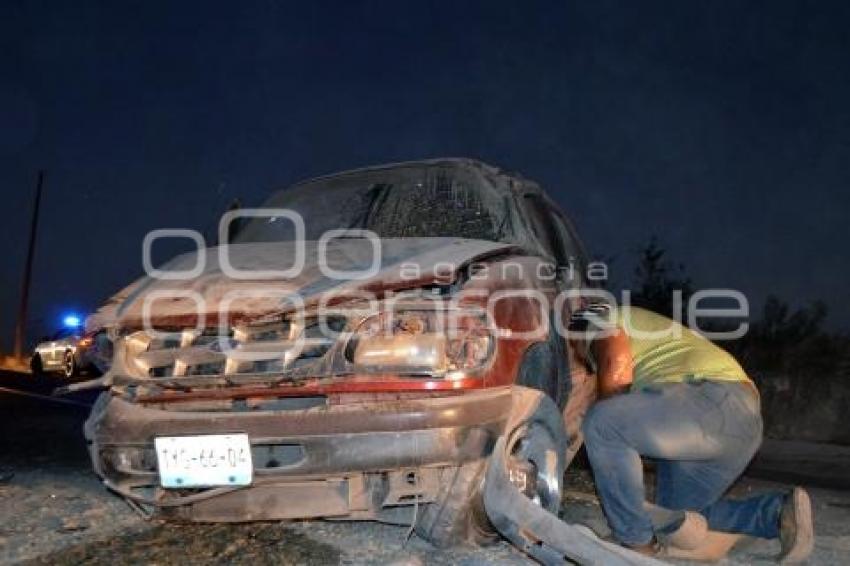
(425, 342)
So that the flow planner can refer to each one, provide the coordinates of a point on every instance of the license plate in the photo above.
(208, 460)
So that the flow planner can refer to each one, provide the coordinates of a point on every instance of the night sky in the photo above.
(722, 128)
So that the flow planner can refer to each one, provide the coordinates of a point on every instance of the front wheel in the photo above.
(536, 467)
(69, 366)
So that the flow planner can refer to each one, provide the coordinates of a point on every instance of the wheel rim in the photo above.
(533, 454)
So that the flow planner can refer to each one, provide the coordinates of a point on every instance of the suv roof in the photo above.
(500, 180)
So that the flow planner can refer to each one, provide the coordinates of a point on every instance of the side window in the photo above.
(569, 242)
(546, 228)
(575, 253)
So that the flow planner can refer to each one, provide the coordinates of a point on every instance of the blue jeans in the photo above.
(702, 434)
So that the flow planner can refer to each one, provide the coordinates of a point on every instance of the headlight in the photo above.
(430, 342)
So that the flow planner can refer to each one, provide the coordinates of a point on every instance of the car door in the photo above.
(49, 357)
(56, 348)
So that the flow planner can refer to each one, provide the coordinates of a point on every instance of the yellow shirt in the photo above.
(665, 351)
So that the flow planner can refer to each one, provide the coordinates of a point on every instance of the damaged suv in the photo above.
(351, 350)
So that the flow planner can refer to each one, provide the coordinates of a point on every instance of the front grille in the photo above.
(246, 349)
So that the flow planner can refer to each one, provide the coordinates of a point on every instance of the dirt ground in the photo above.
(53, 510)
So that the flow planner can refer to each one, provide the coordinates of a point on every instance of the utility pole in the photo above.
(21, 326)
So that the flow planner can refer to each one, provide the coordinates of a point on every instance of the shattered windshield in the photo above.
(408, 203)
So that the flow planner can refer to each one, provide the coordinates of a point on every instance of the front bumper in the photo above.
(356, 461)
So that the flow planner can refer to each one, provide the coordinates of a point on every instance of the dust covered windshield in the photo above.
(406, 203)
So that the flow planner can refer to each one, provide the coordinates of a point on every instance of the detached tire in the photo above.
(457, 516)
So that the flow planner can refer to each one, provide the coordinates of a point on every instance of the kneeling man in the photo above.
(669, 394)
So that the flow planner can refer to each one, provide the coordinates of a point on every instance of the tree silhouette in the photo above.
(657, 279)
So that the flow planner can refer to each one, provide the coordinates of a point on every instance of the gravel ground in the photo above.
(53, 510)
(70, 519)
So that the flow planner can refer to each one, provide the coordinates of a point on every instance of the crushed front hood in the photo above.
(404, 263)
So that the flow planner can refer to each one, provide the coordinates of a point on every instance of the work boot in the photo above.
(652, 548)
(714, 546)
(690, 534)
(796, 531)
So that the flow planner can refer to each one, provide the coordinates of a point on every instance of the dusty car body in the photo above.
(366, 419)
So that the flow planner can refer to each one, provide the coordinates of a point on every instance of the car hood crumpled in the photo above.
(404, 263)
